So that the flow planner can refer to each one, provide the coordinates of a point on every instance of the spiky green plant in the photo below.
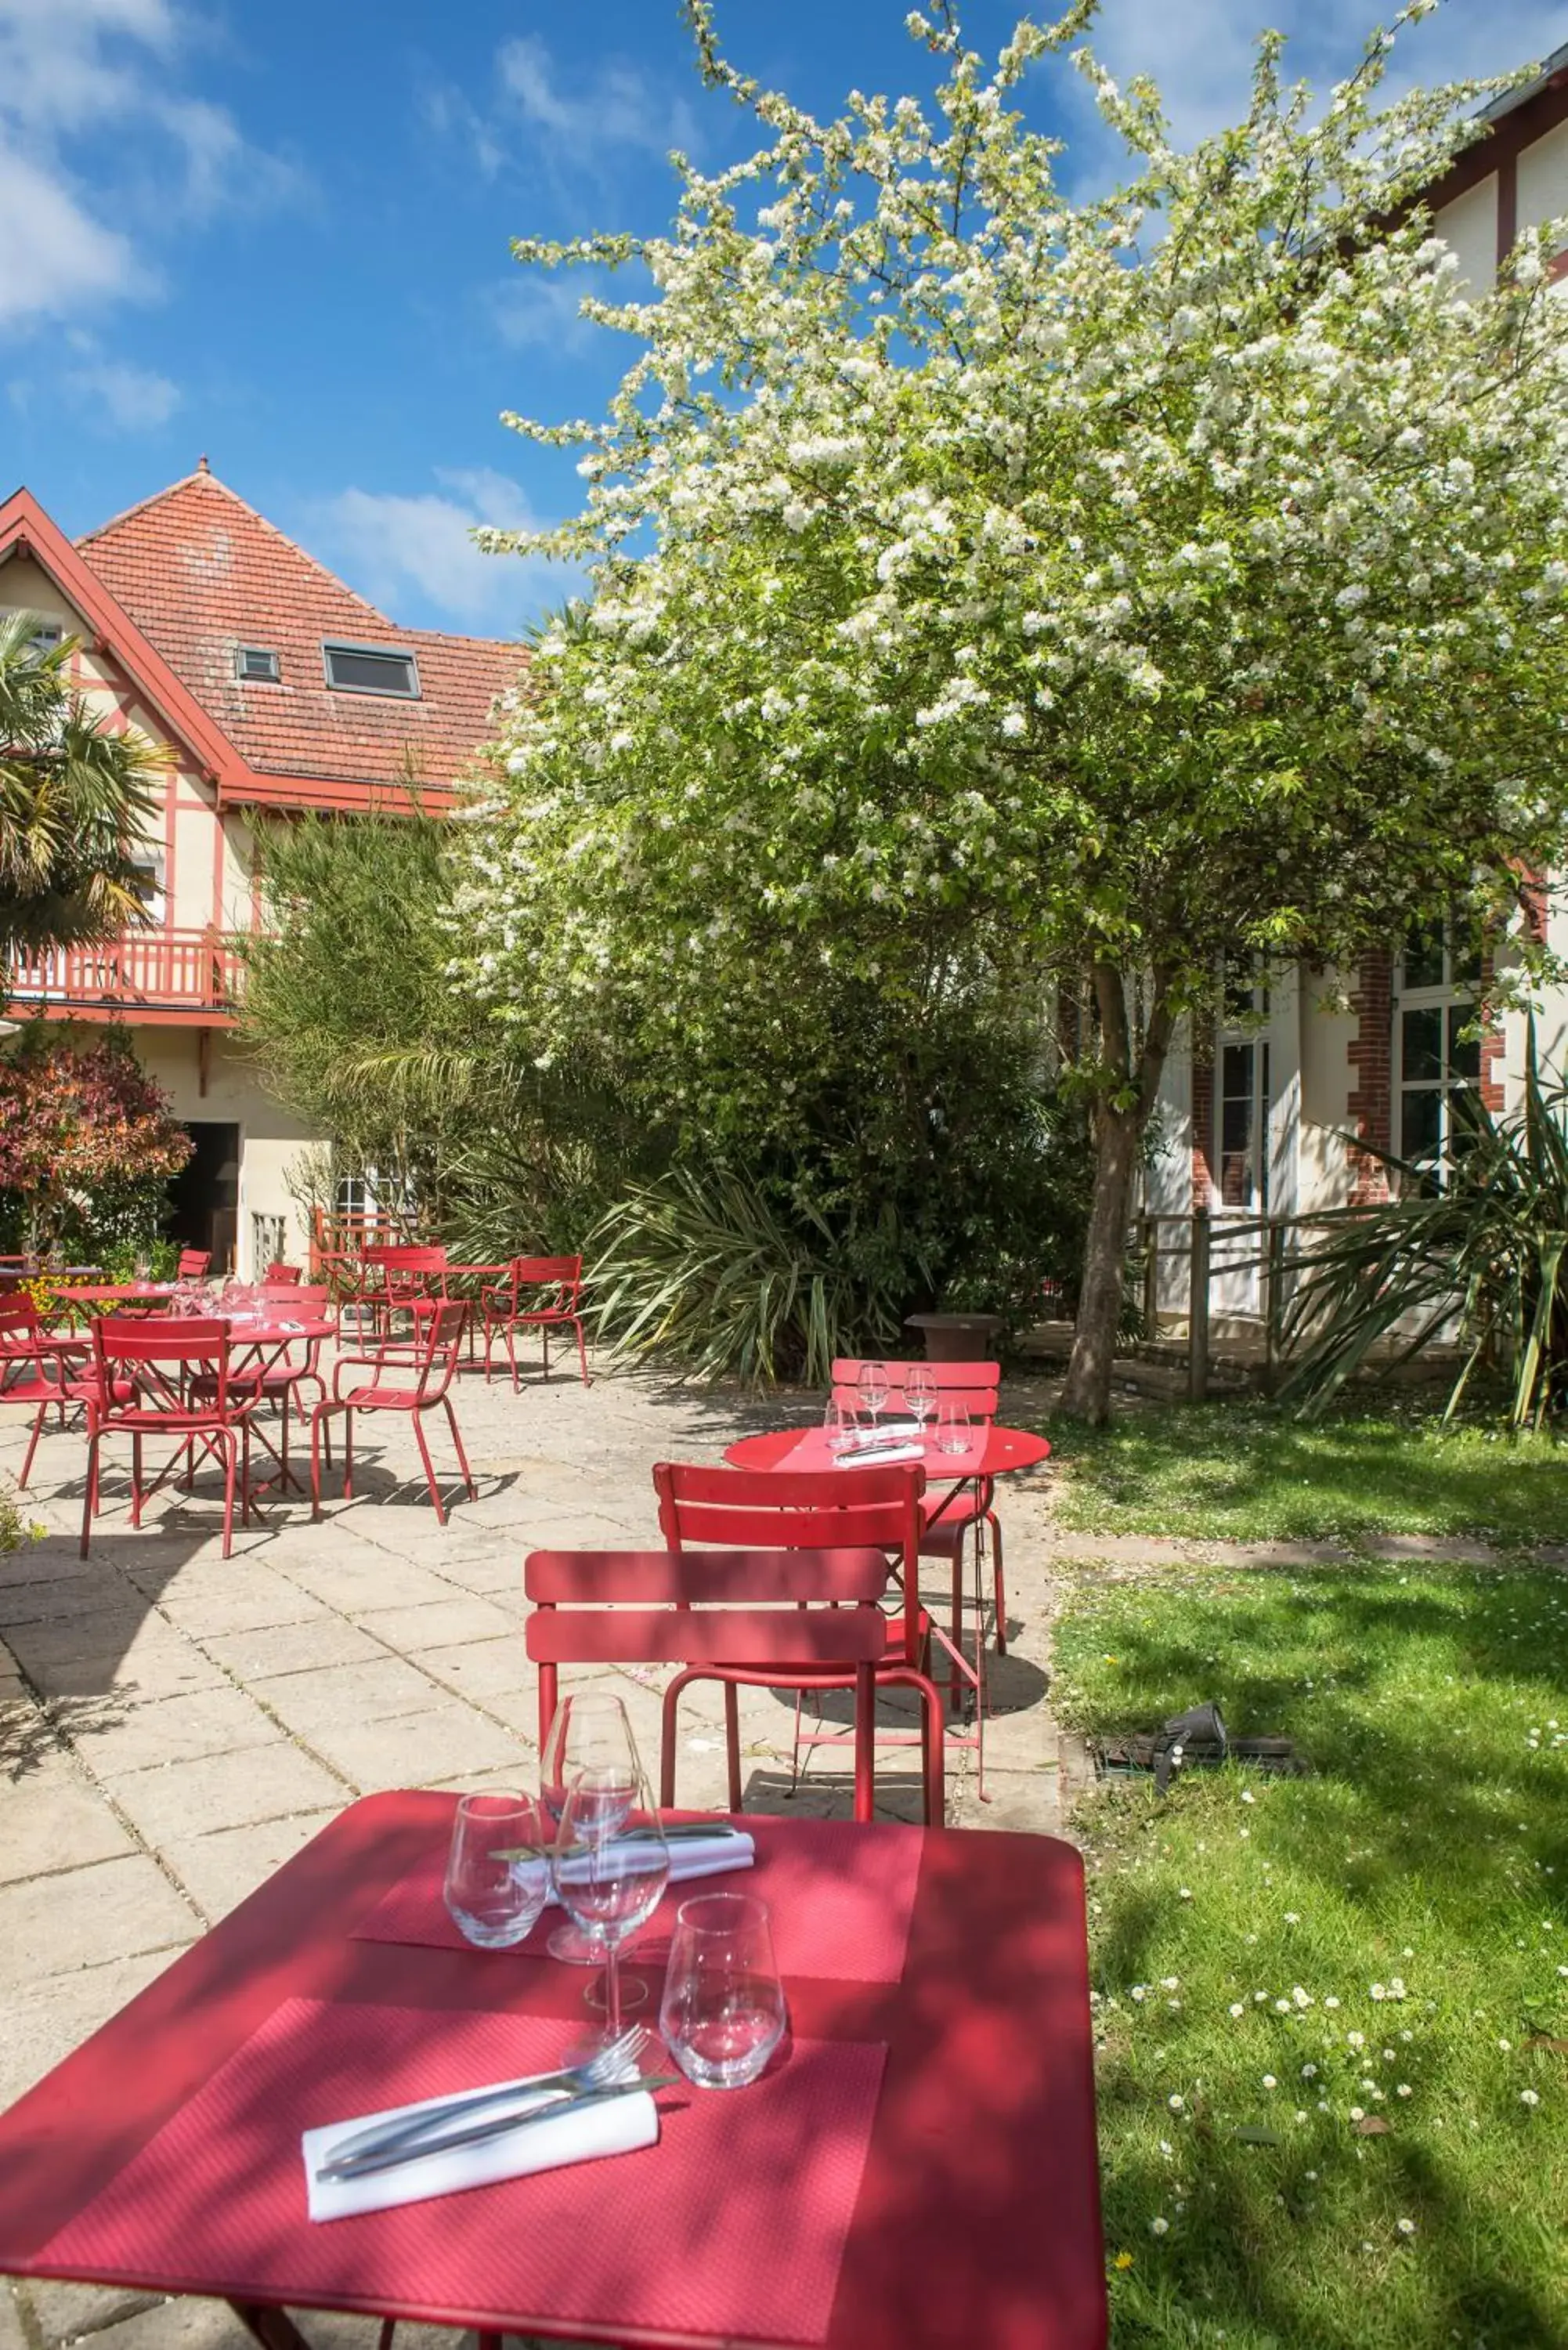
(702, 1268)
(73, 798)
(1481, 1258)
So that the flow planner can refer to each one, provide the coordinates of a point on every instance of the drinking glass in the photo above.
(952, 1425)
(589, 1730)
(610, 1875)
(872, 1384)
(724, 2012)
(840, 1421)
(920, 1395)
(498, 1871)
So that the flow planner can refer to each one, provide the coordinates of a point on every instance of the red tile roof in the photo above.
(202, 573)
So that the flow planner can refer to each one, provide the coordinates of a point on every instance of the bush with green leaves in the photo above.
(1479, 1257)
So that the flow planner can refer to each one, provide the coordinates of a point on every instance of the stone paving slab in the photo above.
(173, 1725)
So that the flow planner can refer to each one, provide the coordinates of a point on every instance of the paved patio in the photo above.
(173, 1726)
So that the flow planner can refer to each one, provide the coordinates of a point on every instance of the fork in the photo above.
(478, 2133)
(609, 2069)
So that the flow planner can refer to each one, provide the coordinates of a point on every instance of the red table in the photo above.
(976, 2217)
(990, 1452)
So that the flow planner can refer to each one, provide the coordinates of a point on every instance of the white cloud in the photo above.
(55, 258)
(126, 399)
(1199, 53)
(89, 89)
(534, 310)
(615, 109)
(388, 544)
(580, 126)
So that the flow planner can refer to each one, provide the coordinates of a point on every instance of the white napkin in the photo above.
(867, 1457)
(618, 2127)
(702, 1857)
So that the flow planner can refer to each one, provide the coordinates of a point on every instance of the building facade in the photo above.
(1263, 1117)
(269, 686)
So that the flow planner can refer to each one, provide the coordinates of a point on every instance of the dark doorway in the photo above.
(205, 1197)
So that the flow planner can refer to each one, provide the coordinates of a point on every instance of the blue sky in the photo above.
(280, 235)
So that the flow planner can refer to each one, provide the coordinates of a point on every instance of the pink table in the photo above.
(958, 2076)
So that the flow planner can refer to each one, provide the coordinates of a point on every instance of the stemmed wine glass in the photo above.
(591, 1731)
(872, 1384)
(920, 1395)
(610, 1875)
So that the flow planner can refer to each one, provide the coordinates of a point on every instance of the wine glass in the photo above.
(589, 1730)
(610, 1875)
(498, 1869)
(840, 1421)
(724, 2012)
(920, 1395)
(872, 1384)
(952, 1425)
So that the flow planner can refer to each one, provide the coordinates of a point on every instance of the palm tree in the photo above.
(73, 799)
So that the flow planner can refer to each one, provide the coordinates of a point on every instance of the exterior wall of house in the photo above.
(1469, 227)
(205, 872)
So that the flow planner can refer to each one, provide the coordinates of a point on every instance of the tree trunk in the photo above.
(1087, 1393)
(1132, 1074)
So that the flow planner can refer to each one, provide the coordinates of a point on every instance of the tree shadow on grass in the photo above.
(1426, 1813)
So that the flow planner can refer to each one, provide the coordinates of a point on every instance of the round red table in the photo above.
(990, 1452)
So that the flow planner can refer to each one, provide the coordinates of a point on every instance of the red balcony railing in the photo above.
(166, 973)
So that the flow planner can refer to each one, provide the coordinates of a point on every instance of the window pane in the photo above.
(1236, 1073)
(1421, 1042)
(370, 672)
(1466, 958)
(1464, 1054)
(1420, 1124)
(1464, 1119)
(1424, 957)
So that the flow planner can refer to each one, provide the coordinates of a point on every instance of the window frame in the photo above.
(243, 653)
(1455, 999)
(400, 653)
(1240, 1029)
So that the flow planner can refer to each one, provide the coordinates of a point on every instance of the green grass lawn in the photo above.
(1247, 1472)
(1333, 2011)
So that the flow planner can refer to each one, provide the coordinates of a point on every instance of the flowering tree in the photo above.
(87, 1142)
(996, 593)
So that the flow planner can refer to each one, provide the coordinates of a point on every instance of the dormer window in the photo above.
(257, 665)
(371, 668)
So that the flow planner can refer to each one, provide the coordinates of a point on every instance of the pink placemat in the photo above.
(733, 2225)
(839, 1911)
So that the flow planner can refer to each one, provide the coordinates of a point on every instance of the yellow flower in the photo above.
(1123, 2260)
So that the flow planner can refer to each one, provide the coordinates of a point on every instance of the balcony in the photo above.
(159, 977)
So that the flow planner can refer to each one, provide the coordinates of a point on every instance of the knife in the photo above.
(411, 2147)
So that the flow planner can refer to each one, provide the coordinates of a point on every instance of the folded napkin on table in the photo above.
(703, 1857)
(877, 1456)
(619, 2125)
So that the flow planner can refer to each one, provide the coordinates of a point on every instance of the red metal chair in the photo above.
(431, 1361)
(167, 1377)
(39, 1368)
(278, 1277)
(949, 1515)
(282, 1384)
(194, 1265)
(790, 1611)
(831, 1509)
(555, 1284)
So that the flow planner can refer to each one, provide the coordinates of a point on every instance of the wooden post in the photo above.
(1273, 1301)
(1197, 1309)
(1151, 1228)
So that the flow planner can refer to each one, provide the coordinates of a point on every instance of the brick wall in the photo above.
(1203, 1189)
(1370, 1055)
